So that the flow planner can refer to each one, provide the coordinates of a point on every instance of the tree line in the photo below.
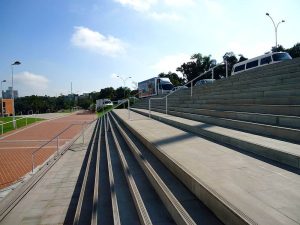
(43, 104)
(200, 63)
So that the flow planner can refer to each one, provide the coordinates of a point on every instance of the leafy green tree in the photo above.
(174, 78)
(294, 51)
(194, 68)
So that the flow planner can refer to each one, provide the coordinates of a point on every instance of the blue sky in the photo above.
(91, 42)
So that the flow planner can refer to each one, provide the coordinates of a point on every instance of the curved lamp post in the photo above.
(2, 97)
(275, 27)
(16, 63)
(124, 82)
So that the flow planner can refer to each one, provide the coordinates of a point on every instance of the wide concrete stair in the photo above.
(257, 111)
(238, 188)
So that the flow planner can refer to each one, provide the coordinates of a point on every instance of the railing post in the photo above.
(226, 65)
(212, 73)
(149, 107)
(57, 145)
(191, 88)
(167, 105)
(32, 161)
(82, 130)
(128, 109)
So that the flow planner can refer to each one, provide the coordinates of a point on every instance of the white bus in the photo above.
(263, 60)
(154, 86)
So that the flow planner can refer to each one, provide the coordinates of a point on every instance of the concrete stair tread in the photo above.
(240, 112)
(282, 146)
(238, 180)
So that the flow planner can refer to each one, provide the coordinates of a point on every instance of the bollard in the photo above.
(2, 128)
(26, 121)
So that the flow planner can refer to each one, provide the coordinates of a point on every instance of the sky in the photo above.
(95, 44)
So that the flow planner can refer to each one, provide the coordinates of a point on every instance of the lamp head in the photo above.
(267, 14)
(283, 21)
(16, 63)
(3, 81)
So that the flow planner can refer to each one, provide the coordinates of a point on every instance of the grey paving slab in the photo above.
(49, 199)
(265, 193)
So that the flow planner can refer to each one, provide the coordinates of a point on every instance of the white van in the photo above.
(263, 60)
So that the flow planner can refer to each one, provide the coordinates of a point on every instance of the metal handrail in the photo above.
(57, 138)
(190, 82)
(2, 124)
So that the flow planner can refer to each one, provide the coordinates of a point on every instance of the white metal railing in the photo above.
(26, 123)
(190, 82)
(56, 138)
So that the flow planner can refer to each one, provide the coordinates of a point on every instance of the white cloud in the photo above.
(94, 41)
(214, 7)
(179, 3)
(165, 16)
(138, 5)
(30, 84)
(171, 62)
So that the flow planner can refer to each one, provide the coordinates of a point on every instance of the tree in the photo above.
(194, 68)
(174, 78)
(294, 51)
(279, 48)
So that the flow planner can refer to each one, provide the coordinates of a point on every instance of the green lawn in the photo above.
(106, 109)
(20, 123)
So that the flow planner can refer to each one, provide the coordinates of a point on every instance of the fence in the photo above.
(16, 122)
(56, 140)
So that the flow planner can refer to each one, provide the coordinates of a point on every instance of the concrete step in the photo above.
(289, 110)
(281, 151)
(277, 132)
(294, 100)
(229, 83)
(259, 101)
(293, 86)
(270, 119)
(238, 188)
(182, 205)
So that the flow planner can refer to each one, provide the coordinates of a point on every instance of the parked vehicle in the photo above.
(204, 82)
(263, 60)
(154, 86)
(100, 103)
(178, 87)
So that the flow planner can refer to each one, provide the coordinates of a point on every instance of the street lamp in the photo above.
(275, 27)
(2, 97)
(16, 63)
(124, 82)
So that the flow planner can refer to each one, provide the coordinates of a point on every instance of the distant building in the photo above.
(7, 107)
(7, 94)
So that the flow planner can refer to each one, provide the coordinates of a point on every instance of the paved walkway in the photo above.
(49, 201)
(264, 193)
(16, 148)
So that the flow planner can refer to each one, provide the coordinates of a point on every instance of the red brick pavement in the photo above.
(16, 148)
